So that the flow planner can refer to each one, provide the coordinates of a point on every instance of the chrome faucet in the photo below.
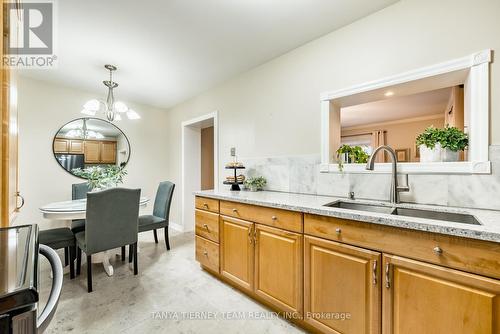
(395, 189)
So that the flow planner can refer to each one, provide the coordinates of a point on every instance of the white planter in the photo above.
(448, 155)
(430, 154)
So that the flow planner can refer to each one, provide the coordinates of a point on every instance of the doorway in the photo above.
(199, 167)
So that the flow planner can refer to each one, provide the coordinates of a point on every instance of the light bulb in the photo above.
(131, 114)
(88, 112)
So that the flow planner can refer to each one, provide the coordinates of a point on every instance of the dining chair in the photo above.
(111, 222)
(159, 218)
(78, 191)
(58, 238)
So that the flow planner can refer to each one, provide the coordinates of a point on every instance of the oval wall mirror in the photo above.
(90, 142)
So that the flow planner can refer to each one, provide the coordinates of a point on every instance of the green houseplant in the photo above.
(99, 178)
(351, 154)
(441, 144)
(255, 183)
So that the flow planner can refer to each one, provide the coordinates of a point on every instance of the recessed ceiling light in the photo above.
(389, 93)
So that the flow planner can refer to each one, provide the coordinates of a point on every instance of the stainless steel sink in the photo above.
(407, 212)
(437, 215)
(361, 207)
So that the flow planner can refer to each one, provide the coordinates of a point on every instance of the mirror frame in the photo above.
(87, 118)
(477, 91)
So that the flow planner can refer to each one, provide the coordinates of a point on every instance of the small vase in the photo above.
(430, 154)
(448, 155)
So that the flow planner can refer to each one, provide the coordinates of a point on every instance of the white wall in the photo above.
(43, 109)
(274, 109)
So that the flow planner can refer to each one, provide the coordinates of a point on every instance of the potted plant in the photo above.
(255, 183)
(437, 145)
(351, 154)
(100, 178)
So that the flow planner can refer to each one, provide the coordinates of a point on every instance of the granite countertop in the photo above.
(489, 229)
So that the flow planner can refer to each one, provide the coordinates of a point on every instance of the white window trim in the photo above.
(478, 83)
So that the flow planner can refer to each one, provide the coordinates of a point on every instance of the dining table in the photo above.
(77, 209)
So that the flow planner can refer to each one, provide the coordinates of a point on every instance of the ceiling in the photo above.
(170, 50)
(397, 107)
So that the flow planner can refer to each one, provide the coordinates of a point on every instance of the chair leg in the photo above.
(167, 242)
(89, 273)
(156, 236)
(130, 253)
(123, 253)
(66, 256)
(72, 262)
(135, 259)
(78, 260)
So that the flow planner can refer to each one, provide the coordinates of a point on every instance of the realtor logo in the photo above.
(31, 35)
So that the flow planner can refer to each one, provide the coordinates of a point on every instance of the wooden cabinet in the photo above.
(425, 298)
(92, 151)
(341, 287)
(61, 145)
(207, 225)
(108, 152)
(237, 251)
(278, 267)
(207, 253)
(75, 146)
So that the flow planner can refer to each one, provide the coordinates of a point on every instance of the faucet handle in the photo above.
(406, 187)
(351, 195)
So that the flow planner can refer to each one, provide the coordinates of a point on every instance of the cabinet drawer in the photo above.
(284, 219)
(470, 255)
(207, 253)
(209, 204)
(207, 225)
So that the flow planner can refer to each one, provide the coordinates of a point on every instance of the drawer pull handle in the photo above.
(438, 250)
(205, 205)
(387, 275)
(235, 210)
(338, 230)
(205, 226)
(205, 253)
(274, 218)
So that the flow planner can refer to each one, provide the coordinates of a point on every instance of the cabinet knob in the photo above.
(438, 250)
(205, 226)
(235, 210)
(205, 253)
(338, 230)
(274, 218)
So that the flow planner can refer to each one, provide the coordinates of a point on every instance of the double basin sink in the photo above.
(407, 212)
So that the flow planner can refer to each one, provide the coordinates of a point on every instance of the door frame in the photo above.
(189, 144)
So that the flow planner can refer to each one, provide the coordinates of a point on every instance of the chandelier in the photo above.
(84, 132)
(112, 109)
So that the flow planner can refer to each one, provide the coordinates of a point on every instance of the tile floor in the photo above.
(157, 300)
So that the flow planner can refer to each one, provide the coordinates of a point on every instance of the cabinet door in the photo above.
(76, 146)
(425, 298)
(237, 251)
(92, 152)
(341, 287)
(61, 145)
(278, 267)
(108, 152)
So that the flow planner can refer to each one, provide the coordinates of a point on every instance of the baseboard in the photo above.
(176, 227)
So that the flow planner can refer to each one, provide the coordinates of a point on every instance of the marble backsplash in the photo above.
(300, 174)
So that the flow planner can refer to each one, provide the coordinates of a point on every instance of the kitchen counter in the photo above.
(489, 230)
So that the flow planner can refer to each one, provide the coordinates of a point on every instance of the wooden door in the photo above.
(341, 287)
(76, 146)
(108, 152)
(61, 145)
(237, 251)
(92, 151)
(423, 298)
(278, 267)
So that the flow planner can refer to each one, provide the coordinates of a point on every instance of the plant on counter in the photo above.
(441, 144)
(99, 178)
(351, 154)
(255, 183)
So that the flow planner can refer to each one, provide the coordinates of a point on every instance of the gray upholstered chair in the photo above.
(161, 210)
(58, 238)
(111, 222)
(79, 191)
